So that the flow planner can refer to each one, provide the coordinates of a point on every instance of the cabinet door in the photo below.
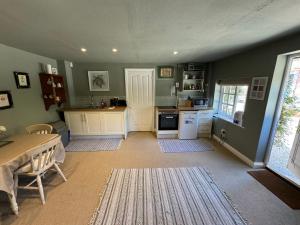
(205, 121)
(93, 122)
(113, 122)
(75, 122)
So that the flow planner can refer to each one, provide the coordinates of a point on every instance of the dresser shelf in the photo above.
(51, 93)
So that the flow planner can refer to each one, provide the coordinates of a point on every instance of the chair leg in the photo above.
(13, 203)
(60, 172)
(16, 184)
(41, 190)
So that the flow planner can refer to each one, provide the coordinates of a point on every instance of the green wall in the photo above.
(252, 140)
(117, 80)
(28, 103)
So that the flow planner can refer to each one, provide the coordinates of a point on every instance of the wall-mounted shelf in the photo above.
(193, 90)
(53, 91)
(194, 78)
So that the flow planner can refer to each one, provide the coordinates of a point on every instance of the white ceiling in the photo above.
(144, 31)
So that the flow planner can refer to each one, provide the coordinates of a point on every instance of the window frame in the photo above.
(221, 103)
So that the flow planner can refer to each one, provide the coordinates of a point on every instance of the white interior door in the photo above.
(140, 98)
(294, 159)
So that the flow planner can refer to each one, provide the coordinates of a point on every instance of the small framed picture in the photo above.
(165, 72)
(22, 80)
(98, 80)
(5, 100)
(258, 88)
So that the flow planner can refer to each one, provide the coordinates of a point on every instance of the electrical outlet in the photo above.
(223, 133)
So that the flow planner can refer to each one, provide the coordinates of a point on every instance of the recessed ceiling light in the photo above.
(175, 52)
(83, 49)
(114, 50)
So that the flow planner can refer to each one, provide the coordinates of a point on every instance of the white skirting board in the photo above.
(76, 137)
(237, 153)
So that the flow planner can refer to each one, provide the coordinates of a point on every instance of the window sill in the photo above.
(227, 120)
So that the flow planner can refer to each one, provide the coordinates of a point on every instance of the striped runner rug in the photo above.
(93, 145)
(177, 145)
(167, 196)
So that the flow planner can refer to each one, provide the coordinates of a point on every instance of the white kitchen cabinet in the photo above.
(205, 118)
(93, 122)
(113, 123)
(75, 122)
(96, 122)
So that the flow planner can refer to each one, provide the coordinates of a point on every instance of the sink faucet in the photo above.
(91, 99)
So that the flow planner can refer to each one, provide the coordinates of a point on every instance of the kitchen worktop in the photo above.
(181, 108)
(96, 109)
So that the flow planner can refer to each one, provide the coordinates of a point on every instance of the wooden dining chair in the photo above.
(39, 129)
(42, 158)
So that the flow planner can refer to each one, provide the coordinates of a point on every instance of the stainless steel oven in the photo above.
(168, 120)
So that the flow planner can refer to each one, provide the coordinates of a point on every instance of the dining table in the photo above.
(16, 153)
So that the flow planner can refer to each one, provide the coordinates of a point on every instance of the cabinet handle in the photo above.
(83, 117)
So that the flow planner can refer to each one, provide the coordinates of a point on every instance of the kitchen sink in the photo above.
(3, 143)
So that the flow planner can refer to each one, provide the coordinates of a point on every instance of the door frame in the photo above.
(277, 114)
(127, 70)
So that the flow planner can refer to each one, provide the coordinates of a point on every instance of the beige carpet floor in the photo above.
(74, 202)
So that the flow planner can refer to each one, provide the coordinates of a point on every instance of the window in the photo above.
(232, 99)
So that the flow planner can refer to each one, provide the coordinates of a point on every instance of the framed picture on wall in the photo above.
(98, 80)
(5, 100)
(258, 88)
(165, 72)
(22, 80)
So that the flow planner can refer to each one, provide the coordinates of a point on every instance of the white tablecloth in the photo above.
(7, 168)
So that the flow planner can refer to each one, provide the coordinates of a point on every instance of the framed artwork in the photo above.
(258, 88)
(5, 100)
(98, 80)
(165, 71)
(22, 80)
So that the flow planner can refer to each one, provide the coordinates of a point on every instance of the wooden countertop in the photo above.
(183, 108)
(106, 109)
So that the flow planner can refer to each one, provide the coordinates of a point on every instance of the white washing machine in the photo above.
(188, 125)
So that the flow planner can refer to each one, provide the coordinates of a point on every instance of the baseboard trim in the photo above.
(76, 137)
(238, 154)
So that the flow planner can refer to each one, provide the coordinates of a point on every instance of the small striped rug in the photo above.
(93, 145)
(177, 145)
(164, 196)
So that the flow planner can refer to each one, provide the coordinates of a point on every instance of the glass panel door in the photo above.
(286, 127)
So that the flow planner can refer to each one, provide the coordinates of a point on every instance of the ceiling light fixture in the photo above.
(175, 52)
(114, 50)
(83, 49)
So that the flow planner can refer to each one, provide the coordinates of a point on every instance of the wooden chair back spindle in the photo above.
(39, 129)
(43, 157)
